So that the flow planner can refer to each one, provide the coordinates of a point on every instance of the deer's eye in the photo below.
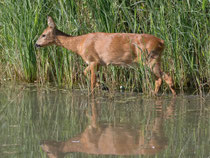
(43, 35)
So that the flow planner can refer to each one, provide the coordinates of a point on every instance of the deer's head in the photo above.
(48, 36)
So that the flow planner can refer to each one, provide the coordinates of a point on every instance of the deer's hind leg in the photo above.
(155, 66)
(158, 76)
(162, 76)
(153, 61)
(168, 79)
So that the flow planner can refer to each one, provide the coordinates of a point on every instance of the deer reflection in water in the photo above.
(109, 139)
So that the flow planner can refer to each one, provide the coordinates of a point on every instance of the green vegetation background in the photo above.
(183, 24)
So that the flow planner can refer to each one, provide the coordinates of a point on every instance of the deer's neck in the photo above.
(67, 41)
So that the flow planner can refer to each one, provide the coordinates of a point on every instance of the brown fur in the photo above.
(110, 48)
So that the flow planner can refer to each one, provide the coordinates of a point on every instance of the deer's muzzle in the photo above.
(37, 45)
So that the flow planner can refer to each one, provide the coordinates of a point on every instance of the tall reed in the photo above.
(182, 24)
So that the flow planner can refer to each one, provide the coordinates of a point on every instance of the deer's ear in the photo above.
(50, 22)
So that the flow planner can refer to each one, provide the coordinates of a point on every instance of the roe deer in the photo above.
(110, 48)
(112, 139)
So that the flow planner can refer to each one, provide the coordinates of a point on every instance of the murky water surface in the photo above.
(41, 123)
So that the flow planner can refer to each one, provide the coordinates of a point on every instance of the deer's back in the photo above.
(117, 48)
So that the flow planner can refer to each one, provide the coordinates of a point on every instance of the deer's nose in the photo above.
(37, 45)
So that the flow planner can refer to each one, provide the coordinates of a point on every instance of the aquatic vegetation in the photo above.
(182, 24)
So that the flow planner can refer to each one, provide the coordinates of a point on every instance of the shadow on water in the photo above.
(48, 122)
(114, 139)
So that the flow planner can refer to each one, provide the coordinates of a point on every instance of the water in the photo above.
(47, 122)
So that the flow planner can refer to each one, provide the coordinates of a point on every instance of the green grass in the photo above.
(184, 25)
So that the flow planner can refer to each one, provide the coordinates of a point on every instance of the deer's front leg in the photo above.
(92, 68)
(86, 70)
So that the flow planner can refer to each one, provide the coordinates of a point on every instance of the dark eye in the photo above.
(43, 35)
